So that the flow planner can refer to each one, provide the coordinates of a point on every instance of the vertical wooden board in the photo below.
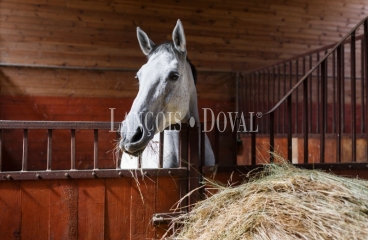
(10, 210)
(168, 195)
(142, 208)
(117, 208)
(330, 150)
(301, 150)
(313, 147)
(262, 146)
(281, 148)
(91, 202)
(63, 209)
(346, 150)
(35, 209)
(361, 150)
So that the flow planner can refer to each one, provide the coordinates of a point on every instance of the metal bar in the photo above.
(82, 174)
(95, 149)
(264, 105)
(25, 150)
(252, 89)
(161, 150)
(297, 99)
(366, 77)
(183, 163)
(272, 137)
(49, 149)
(339, 104)
(323, 166)
(9, 124)
(323, 110)
(237, 94)
(289, 129)
(362, 126)
(117, 152)
(283, 108)
(140, 160)
(268, 95)
(279, 96)
(343, 87)
(273, 89)
(318, 97)
(217, 146)
(235, 139)
(194, 180)
(353, 96)
(334, 92)
(305, 119)
(72, 149)
(258, 106)
(253, 145)
(1, 149)
(203, 147)
(291, 99)
(311, 96)
(305, 98)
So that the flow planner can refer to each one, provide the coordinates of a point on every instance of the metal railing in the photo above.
(316, 104)
(72, 172)
(191, 151)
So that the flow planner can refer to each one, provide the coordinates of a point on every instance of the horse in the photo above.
(167, 95)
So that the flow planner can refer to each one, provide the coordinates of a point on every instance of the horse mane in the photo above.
(169, 47)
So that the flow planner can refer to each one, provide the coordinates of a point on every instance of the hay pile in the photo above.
(282, 202)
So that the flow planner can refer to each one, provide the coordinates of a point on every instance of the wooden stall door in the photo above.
(115, 208)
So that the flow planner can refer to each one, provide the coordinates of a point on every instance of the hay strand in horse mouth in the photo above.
(281, 202)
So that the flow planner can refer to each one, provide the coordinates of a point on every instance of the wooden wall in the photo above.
(221, 35)
(85, 208)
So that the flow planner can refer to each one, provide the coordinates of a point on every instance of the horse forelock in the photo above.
(169, 47)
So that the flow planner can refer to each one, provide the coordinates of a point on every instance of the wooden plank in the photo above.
(142, 208)
(63, 209)
(10, 209)
(35, 209)
(77, 32)
(117, 207)
(91, 208)
(168, 194)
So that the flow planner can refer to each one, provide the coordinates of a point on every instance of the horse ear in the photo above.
(144, 41)
(179, 37)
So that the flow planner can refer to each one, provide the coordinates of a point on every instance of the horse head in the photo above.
(166, 91)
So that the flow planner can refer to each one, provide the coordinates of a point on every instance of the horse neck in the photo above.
(193, 102)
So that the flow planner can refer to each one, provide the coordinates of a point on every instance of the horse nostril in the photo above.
(138, 135)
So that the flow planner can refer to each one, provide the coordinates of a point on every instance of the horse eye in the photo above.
(173, 76)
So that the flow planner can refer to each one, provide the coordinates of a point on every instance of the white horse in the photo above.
(167, 95)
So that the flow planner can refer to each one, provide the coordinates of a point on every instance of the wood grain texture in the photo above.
(85, 208)
(23, 82)
(63, 209)
(35, 209)
(10, 209)
(91, 209)
(240, 36)
(142, 207)
(168, 194)
(117, 208)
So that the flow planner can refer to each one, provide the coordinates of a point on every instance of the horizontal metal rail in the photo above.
(93, 173)
(320, 166)
(9, 124)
